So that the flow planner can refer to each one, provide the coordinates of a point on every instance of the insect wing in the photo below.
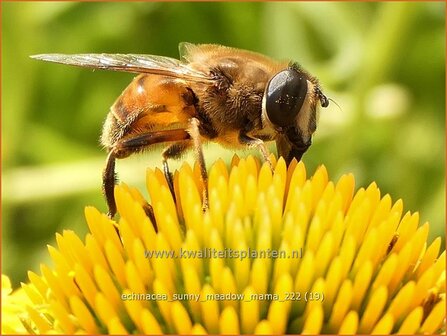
(135, 63)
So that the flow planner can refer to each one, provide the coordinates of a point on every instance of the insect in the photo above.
(213, 93)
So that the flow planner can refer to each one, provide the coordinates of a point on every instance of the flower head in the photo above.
(276, 252)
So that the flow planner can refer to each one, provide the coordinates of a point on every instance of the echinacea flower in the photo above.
(275, 253)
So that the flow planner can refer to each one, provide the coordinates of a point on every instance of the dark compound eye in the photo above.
(285, 96)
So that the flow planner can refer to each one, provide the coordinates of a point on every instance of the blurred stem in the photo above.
(37, 184)
(387, 35)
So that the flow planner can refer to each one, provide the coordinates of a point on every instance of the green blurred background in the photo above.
(383, 63)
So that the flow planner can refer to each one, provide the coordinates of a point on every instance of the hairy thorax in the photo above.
(235, 103)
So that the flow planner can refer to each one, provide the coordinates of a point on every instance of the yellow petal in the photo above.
(417, 243)
(115, 327)
(384, 326)
(141, 262)
(373, 310)
(386, 231)
(164, 267)
(386, 272)
(263, 328)
(439, 266)
(54, 285)
(422, 288)
(314, 321)
(192, 287)
(190, 197)
(278, 312)
(242, 266)
(265, 178)
(345, 186)
(86, 284)
(249, 312)
(42, 324)
(78, 249)
(104, 309)
(259, 277)
(218, 199)
(319, 181)
(210, 309)
(106, 285)
(407, 228)
(367, 250)
(38, 283)
(99, 225)
(350, 324)
(229, 287)
(314, 236)
(96, 251)
(282, 264)
(358, 219)
(381, 212)
(361, 284)
(198, 329)
(163, 305)
(63, 271)
(180, 318)
(412, 322)
(341, 306)
(401, 302)
(134, 282)
(434, 321)
(303, 281)
(314, 296)
(63, 317)
(324, 254)
(134, 307)
(150, 324)
(251, 193)
(85, 318)
(61, 265)
(229, 322)
(403, 264)
(216, 265)
(32, 293)
(429, 257)
(116, 262)
(333, 279)
(168, 224)
(347, 254)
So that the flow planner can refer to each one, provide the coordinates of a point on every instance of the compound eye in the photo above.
(285, 96)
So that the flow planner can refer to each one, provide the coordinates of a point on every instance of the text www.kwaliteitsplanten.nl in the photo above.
(226, 253)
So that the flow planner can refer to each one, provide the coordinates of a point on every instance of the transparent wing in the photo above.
(135, 63)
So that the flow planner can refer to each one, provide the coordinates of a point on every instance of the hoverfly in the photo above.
(213, 93)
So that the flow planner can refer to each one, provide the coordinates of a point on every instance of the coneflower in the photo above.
(275, 253)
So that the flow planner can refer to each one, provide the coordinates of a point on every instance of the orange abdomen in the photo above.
(149, 103)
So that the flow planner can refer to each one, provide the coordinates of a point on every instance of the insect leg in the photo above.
(125, 147)
(256, 143)
(174, 151)
(197, 143)
(109, 180)
(108, 183)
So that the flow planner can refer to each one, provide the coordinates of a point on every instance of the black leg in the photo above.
(197, 143)
(126, 147)
(108, 183)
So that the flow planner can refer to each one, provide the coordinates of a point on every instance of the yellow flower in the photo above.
(275, 253)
